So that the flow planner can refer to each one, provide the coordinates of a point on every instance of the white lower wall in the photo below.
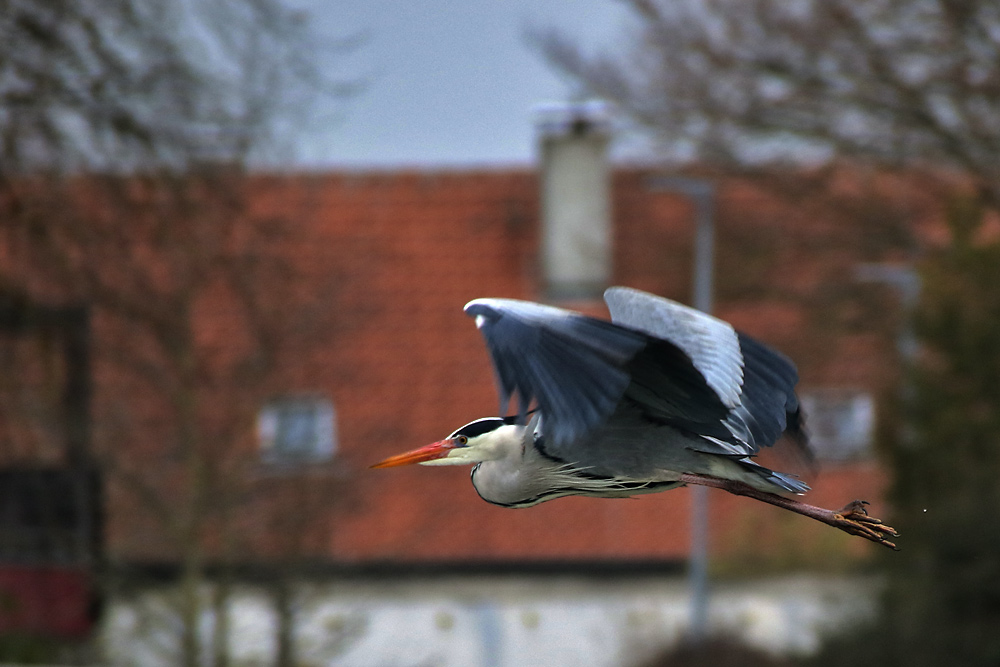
(499, 622)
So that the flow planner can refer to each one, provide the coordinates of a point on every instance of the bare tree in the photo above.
(748, 82)
(126, 131)
(116, 85)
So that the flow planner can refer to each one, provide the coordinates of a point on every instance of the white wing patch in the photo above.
(711, 343)
(525, 309)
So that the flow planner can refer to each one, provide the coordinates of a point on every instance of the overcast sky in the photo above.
(449, 82)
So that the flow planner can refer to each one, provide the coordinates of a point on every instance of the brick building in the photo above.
(413, 368)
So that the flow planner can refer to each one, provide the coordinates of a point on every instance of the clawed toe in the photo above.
(855, 508)
(854, 519)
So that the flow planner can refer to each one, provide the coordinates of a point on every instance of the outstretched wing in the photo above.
(577, 369)
(755, 383)
(570, 365)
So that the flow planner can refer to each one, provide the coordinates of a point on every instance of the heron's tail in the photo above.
(783, 481)
(789, 483)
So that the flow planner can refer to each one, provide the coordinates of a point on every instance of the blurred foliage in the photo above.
(942, 601)
(779, 544)
(715, 652)
(26, 649)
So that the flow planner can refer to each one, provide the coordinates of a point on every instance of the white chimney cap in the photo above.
(556, 119)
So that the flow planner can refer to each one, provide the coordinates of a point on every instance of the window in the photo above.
(297, 429)
(840, 423)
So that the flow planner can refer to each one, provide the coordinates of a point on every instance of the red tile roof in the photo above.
(405, 366)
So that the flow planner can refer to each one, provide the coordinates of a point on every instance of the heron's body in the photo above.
(660, 397)
(524, 474)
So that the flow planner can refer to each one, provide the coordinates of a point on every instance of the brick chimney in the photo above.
(576, 207)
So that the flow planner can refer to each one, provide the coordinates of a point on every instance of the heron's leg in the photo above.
(853, 518)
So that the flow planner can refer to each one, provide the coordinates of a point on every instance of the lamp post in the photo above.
(702, 193)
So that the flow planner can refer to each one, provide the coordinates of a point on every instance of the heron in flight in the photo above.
(660, 397)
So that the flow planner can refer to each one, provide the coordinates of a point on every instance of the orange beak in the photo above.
(437, 450)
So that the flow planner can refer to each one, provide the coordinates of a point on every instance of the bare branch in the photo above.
(738, 82)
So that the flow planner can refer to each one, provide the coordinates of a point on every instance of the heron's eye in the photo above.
(462, 440)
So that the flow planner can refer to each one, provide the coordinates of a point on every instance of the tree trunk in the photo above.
(284, 603)
(221, 628)
(191, 579)
(186, 406)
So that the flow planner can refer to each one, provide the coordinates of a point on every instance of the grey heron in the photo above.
(659, 397)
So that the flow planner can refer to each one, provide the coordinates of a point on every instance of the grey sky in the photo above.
(450, 82)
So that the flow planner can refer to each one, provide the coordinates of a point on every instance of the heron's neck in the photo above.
(504, 444)
(518, 476)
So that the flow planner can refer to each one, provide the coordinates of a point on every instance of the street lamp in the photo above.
(702, 193)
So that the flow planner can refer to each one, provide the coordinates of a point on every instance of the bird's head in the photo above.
(482, 440)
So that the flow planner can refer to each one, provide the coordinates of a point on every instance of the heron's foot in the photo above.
(853, 518)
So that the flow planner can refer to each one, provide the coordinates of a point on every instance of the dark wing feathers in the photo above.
(572, 366)
(755, 383)
(709, 343)
(577, 370)
(768, 390)
(669, 389)
(766, 403)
